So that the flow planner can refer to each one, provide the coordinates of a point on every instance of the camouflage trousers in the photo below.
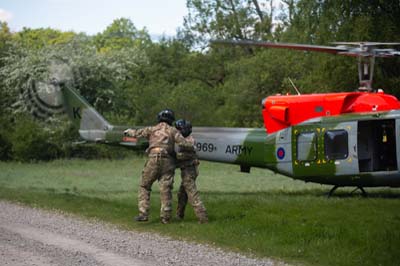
(161, 169)
(188, 192)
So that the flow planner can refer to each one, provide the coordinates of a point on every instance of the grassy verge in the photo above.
(263, 214)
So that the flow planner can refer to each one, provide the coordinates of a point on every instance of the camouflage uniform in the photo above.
(159, 166)
(188, 162)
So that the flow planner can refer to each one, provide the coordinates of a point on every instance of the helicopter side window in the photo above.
(336, 144)
(306, 146)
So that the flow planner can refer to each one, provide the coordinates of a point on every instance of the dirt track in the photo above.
(36, 237)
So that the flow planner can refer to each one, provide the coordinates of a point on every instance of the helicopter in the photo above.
(339, 139)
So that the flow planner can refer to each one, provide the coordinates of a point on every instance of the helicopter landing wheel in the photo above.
(332, 191)
(363, 193)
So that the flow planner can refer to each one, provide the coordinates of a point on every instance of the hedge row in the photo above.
(27, 140)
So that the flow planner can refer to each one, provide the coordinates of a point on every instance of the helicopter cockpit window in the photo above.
(336, 144)
(306, 146)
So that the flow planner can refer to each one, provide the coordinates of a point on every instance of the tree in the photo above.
(121, 34)
(99, 77)
(313, 21)
(5, 47)
(227, 19)
(324, 22)
(5, 40)
(39, 38)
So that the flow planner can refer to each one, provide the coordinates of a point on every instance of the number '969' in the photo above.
(205, 147)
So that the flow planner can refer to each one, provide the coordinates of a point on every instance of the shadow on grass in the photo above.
(388, 193)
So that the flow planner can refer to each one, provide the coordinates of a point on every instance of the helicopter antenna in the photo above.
(294, 86)
(366, 52)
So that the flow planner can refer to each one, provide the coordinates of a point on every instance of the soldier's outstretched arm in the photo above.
(130, 132)
(137, 133)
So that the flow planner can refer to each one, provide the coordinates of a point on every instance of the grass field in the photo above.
(262, 214)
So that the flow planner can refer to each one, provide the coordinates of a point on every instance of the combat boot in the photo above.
(141, 218)
(165, 220)
(202, 215)
(203, 220)
(180, 216)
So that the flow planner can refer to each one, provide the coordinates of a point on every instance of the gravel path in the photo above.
(36, 237)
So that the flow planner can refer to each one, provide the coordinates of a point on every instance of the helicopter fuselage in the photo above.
(347, 150)
(342, 139)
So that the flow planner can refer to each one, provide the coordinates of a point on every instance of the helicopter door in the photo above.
(377, 145)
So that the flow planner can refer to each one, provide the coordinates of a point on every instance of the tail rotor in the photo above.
(44, 97)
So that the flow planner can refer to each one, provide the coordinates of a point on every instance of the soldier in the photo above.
(188, 162)
(160, 164)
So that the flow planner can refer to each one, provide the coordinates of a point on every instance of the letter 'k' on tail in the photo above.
(92, 126)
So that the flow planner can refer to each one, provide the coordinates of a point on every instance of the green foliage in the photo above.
(31, 142)
(233, 19)
(24, 139)
(121, 34)
(250, 79)
(326, 21)
(95, 151)
(323, 22)
(5, 145)
(40, 38)
(174, 78)
(5, 41)
(98, 76)
(186, 101)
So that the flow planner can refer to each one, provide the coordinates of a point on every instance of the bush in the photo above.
(31, 142)
(95, 151)
(5, 148)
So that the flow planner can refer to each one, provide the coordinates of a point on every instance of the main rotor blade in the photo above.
(367, 43)
(303, 47)
(364, 49)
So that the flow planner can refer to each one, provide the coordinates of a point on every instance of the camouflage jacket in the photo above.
(161, 136)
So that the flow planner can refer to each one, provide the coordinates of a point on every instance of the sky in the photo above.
(160, 17)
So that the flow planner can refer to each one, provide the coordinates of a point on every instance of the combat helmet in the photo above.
(184, 126)
(167, 116)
